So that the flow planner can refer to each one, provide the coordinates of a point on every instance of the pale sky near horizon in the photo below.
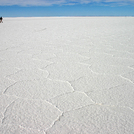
(39, 8)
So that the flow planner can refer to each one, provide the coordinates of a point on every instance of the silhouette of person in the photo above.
(1, 19)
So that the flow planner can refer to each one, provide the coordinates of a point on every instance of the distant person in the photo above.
(1, 19)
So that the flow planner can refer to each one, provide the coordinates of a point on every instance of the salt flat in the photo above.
(67, 75)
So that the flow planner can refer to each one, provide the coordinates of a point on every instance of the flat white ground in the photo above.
(67, 75)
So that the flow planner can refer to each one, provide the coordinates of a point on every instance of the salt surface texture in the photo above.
(68, 75)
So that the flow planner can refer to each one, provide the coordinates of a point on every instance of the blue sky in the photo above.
(39, 8)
